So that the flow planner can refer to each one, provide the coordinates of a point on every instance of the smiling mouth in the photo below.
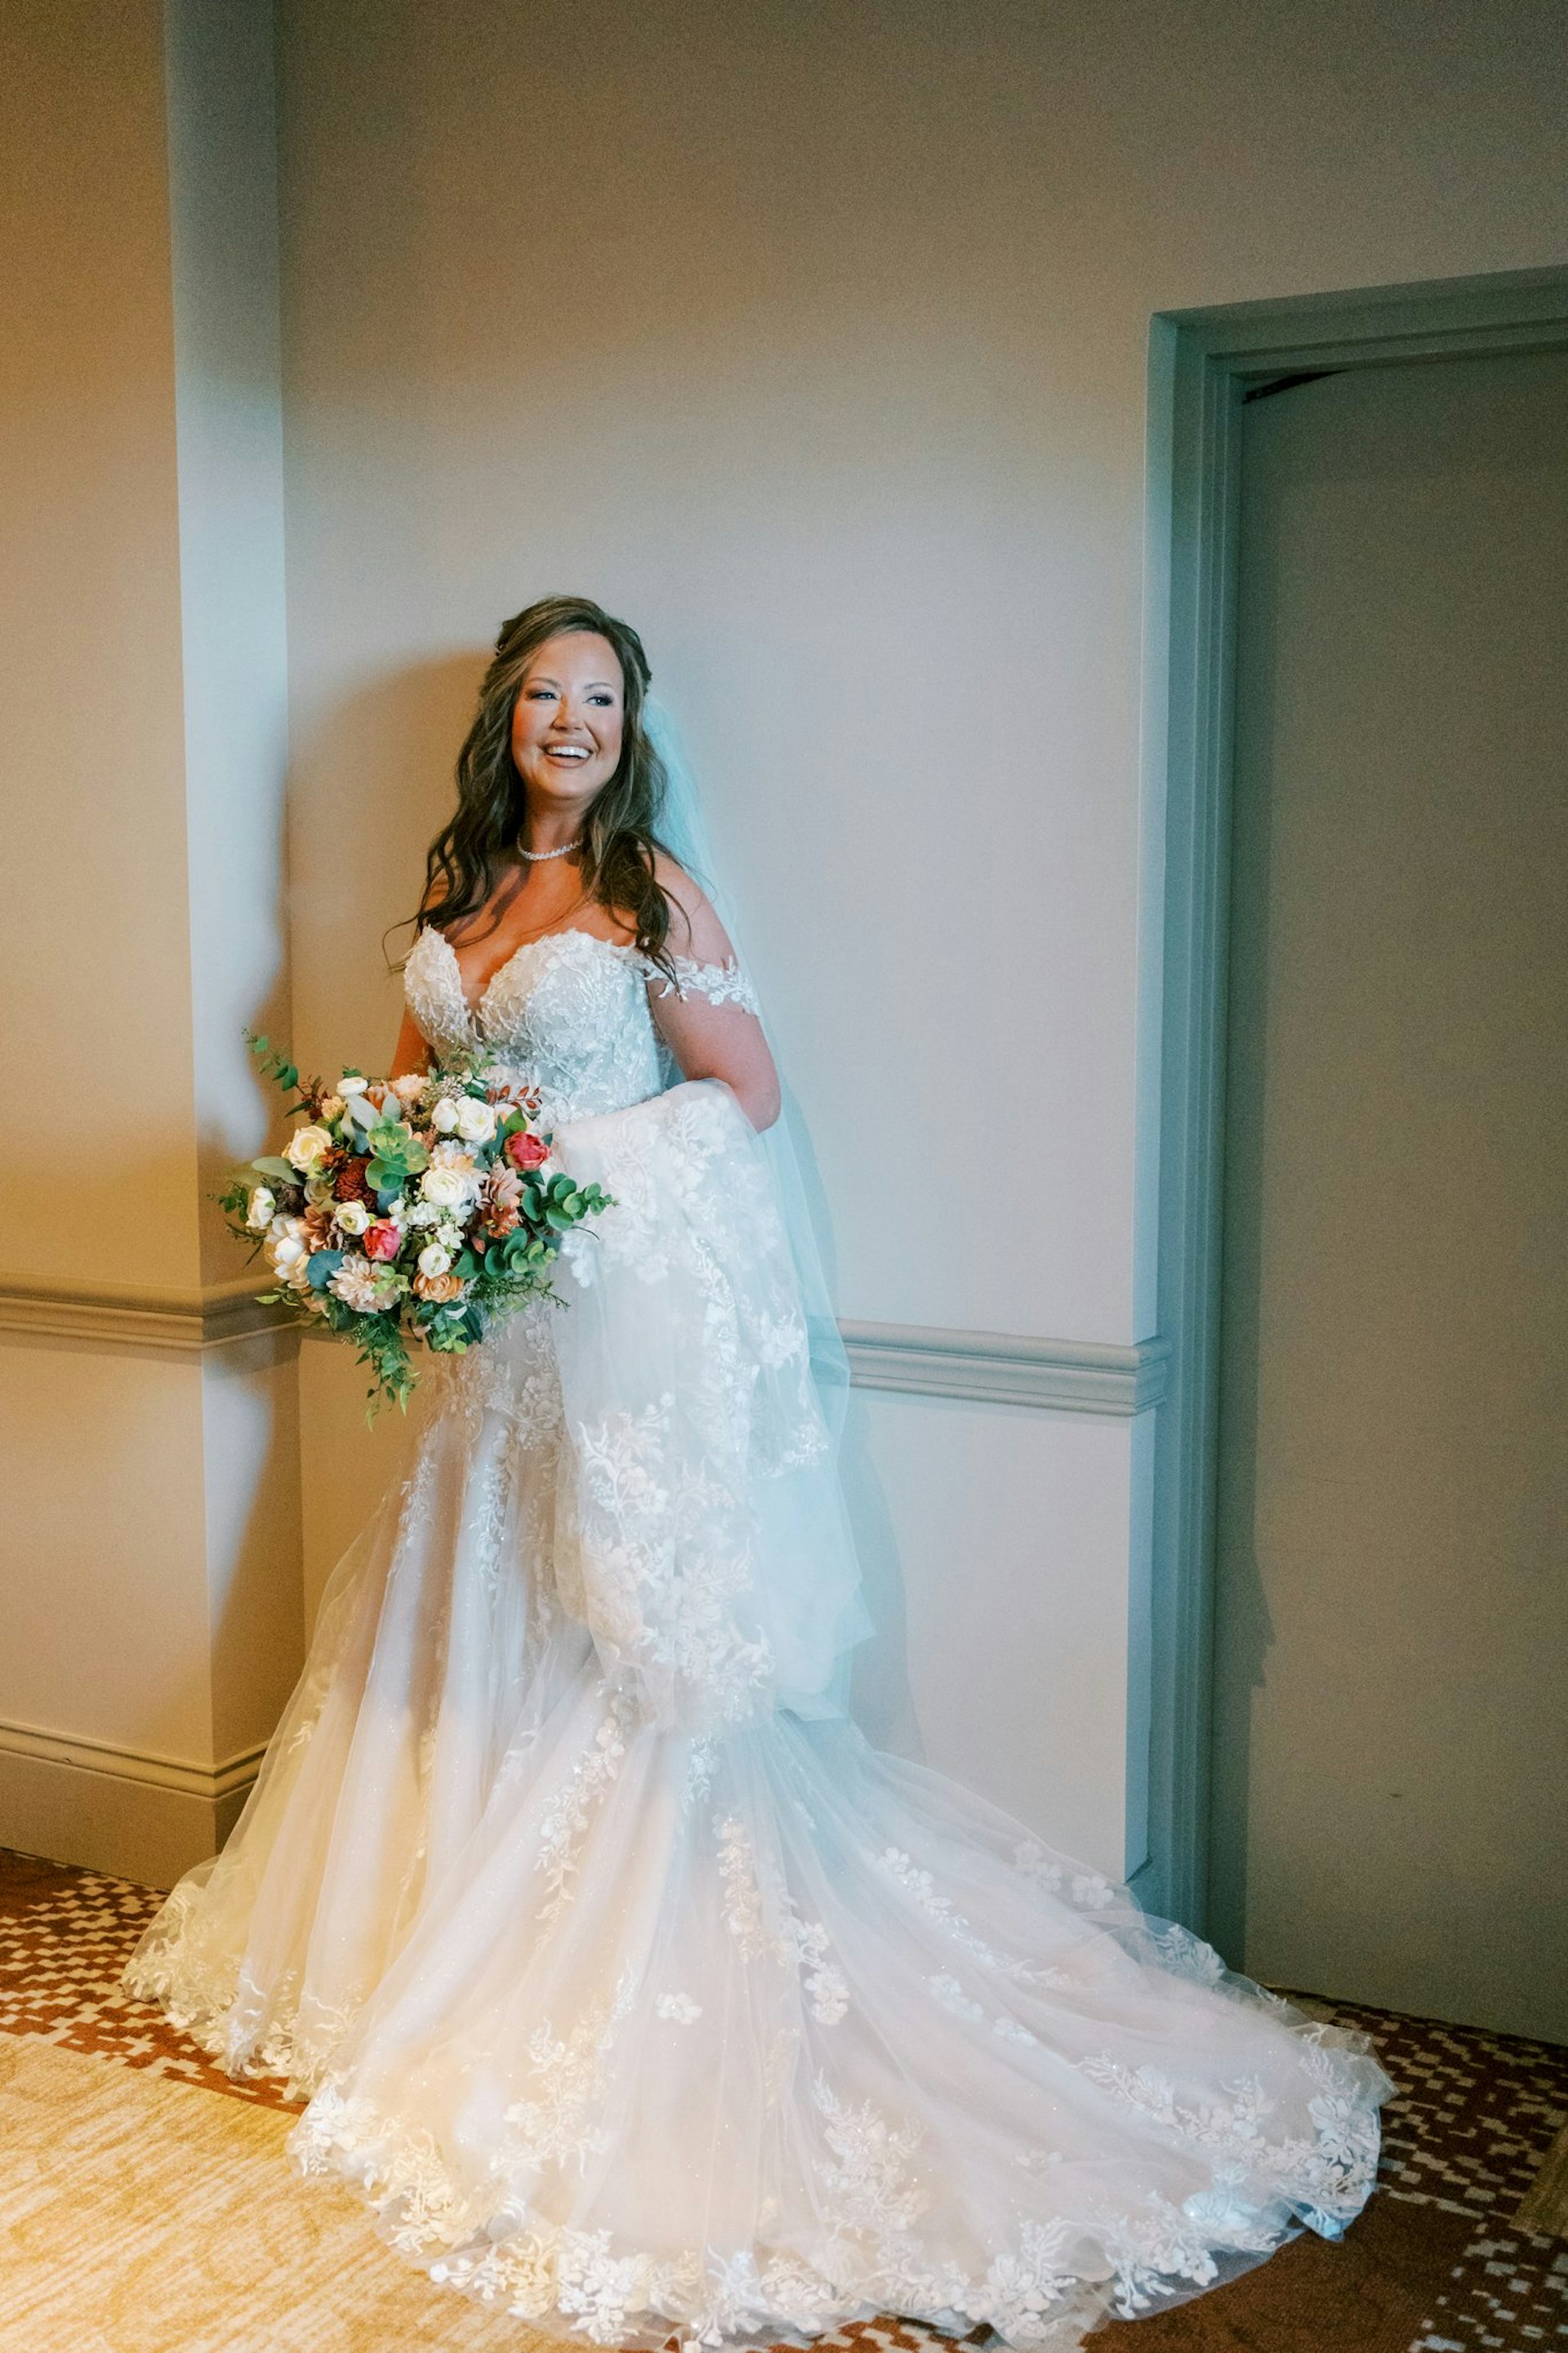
(569, 752)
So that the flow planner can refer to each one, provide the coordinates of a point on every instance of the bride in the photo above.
(637, 1992)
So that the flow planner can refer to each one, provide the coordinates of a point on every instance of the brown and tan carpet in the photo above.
(150, 2206)
(141, 2216)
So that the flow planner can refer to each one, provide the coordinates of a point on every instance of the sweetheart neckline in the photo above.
(474, 1010)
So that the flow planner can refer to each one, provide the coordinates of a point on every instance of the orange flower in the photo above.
(438, 1287)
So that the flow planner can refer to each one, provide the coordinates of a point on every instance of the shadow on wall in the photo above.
(357, 855)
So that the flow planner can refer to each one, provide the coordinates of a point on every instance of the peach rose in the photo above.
(438, 1287)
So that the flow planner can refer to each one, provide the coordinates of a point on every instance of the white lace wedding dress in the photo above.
(638, 1994)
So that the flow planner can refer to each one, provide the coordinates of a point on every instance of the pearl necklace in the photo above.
(537, 857)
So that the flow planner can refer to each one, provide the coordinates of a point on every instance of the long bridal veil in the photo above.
(819, 1576)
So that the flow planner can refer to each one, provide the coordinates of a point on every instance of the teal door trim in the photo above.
(1202, 365)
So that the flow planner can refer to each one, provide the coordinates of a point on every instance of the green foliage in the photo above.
(498, 1275)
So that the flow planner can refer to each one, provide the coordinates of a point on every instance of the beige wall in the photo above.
(815, 341)
(95, 951)
(149, 1542)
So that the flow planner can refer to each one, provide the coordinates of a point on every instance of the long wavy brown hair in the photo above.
(620, 831)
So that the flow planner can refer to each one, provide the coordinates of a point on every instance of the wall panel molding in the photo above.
(927, 1360)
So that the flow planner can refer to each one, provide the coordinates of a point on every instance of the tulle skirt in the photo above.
(637, 1992)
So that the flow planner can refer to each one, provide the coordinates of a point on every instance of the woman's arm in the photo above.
(709, 1040)
(412, 1053)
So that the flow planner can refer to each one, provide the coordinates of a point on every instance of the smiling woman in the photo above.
(637, 1991)
(559, 789)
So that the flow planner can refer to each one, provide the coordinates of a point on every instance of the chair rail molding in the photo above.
(998, 1368)
(926, 1360)
(164, 1318)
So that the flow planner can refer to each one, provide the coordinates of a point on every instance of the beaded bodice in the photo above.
(570, 1012)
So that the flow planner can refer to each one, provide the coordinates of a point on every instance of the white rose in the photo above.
(352, 1217)
(448, 1188)
(476, 1119)
(286, 1252)
(445, 1116)
(350, 1083)
(259, 1217)
(305, 1148)
(433, 1259)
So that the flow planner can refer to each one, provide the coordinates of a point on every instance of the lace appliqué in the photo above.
(564, 1830)
(557, 2126)
(1332, 2173)
(923, 1887)
(568, 1012)
(662, 1566)
(765, 1923)
(1087, 1891)
(720, 984)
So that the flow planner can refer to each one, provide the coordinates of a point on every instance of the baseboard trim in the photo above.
(927, 1360)
(997, 1368)
(147, 1767)
(128, 1812)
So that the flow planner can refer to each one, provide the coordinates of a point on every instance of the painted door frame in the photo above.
(1203, 364)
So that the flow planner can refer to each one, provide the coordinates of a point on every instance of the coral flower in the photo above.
(526, 1150)
(383, 1240)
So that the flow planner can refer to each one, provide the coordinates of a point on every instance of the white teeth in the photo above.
(567, 751)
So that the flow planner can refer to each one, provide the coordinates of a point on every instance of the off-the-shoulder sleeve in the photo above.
(720, 984)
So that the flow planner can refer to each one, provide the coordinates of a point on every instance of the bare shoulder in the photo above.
(693, 922)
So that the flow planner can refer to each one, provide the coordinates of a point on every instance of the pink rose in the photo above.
(526, 1150)
(383, 1240)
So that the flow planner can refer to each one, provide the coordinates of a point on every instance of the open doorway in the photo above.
(1203, 366)
(1391, 1617)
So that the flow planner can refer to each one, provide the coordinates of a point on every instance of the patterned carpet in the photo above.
(1439, 2263)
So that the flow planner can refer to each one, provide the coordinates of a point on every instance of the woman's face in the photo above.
(567, 720)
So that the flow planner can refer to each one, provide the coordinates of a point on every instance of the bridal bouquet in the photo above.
(406, 1212)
